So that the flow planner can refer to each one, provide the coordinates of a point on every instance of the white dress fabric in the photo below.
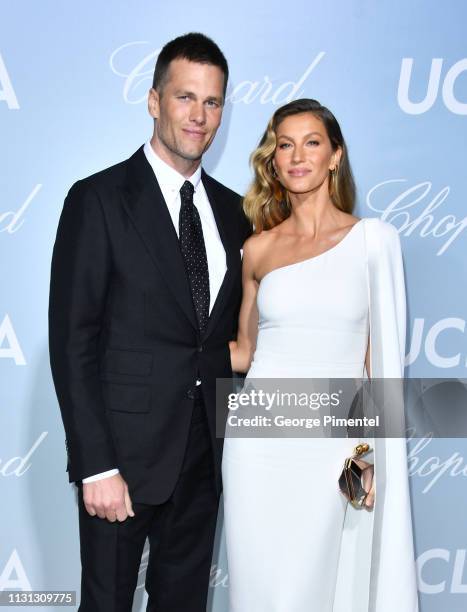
(293, 542)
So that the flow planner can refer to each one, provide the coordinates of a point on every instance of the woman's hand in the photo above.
(240, 357)
(370, 498)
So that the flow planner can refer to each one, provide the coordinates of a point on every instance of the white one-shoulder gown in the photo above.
(283, 514)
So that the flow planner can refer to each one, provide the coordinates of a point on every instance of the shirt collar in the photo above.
(167, 176)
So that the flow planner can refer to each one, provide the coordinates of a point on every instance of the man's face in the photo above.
(188, 111)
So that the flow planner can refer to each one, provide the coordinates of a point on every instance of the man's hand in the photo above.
(108, 498)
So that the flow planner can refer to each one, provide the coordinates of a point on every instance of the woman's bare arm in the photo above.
(241, 350)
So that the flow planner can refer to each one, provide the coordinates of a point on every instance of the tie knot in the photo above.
(186, 192)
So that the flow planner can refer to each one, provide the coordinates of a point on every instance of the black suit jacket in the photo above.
(124, 343)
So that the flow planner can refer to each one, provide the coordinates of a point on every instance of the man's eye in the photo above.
(213, 104)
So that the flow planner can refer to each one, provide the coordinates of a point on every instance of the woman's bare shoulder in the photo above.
(257, 244)
(348, 220)
(256, 250)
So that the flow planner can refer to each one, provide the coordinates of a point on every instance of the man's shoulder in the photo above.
(234, 209)
(215, 184)
(111, 176)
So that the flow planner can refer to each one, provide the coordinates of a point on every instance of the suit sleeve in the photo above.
(81, 268)
(245, 227)
(244, 231)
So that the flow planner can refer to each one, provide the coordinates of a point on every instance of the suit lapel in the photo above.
(218, 208)
(145, 205)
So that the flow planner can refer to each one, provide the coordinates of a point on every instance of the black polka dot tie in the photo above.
(194, 253)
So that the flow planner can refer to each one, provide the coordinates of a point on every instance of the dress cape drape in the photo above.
(377, 570)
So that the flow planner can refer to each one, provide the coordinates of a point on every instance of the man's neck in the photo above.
(186, 167)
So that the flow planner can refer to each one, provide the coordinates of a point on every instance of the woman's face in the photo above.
(304, 154)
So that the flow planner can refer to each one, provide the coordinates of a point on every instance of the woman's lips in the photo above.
(299, 172)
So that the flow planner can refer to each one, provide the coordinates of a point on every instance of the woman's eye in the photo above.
(284, 145)
(313, 142)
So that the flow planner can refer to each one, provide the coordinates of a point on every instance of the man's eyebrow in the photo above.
(214, 99)
(184, 92)
(191, 94)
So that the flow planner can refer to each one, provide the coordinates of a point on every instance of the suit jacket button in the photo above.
(190, 394)
(200, 348)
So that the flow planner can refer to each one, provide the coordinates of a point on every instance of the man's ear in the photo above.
(153, 103)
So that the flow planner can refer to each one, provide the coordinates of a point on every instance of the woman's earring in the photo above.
(334, 172)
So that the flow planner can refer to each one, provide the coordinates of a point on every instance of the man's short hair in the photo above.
(194, 47)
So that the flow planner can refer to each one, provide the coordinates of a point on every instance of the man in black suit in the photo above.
(144, 297)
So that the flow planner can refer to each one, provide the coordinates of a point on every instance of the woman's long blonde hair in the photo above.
(267, 203)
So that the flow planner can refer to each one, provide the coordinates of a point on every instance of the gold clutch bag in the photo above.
(356, 477)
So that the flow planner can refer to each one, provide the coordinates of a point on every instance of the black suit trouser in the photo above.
(181, 537)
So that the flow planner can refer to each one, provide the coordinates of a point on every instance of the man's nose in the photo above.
(198, 113)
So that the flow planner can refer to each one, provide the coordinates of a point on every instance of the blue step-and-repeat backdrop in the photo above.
(73, 86)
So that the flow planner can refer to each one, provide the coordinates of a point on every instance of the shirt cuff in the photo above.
(100, 476)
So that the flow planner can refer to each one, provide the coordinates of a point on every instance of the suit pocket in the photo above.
(126, 398)
(122, 361)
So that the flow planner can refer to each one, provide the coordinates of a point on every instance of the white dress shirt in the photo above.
(170, 182)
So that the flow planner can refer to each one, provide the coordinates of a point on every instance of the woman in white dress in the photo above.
(323, 296)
